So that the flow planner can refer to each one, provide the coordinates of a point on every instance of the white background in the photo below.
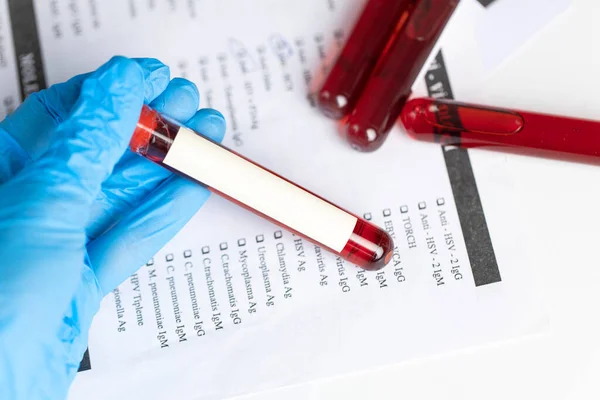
(556, 72)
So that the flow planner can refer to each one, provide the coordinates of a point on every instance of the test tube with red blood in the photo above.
(261, 191)
(351, 70)
(455, 123)
(391, 82)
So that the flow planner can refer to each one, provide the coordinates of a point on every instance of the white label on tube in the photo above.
(260, 190)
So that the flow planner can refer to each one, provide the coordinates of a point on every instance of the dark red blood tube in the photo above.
(390, 84)
(261, 191)
(468, 125)
(358, 58)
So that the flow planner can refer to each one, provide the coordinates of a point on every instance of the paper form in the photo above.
(235, 304)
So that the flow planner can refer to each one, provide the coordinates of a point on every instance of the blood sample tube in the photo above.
(390, 84)
(259, 190)
(364, 46)
(468, 125)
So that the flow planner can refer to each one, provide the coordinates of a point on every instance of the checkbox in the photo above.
(403, 209)
(241, 242)
(422, 205)
(223, 246)
(187, 254)
(205, 250)
(368, 216)
(387, 212)
(151, 262)
(278, 235)
(169, 257)
(441, 201)
(260, 238)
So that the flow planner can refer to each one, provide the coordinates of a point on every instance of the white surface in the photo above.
(301, 322)
(522, 370)
(508, 24)
(556, 72)
(261, 190)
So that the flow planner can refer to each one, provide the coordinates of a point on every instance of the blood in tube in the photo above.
(390, 85)
(351, 70)
(226, 173)
(529, 133)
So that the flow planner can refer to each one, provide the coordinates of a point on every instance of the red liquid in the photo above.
(368, 247)
(359, 56)
(468, 125)
(390, 85)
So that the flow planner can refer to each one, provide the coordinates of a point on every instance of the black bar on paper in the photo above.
(464, 187)
(486, 3)
(30, 66)
(85, 364)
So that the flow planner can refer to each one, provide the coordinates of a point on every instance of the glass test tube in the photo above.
(261, 191)
(450, 122)
(391, 83)
(358, 58)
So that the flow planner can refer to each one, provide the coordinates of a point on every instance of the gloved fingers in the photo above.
(156, 77)
(180, 100)
(33, 123)
(68, 177)
(121, 251)
(129, 244)
(134, 177)
(45, 207)
(208, 122)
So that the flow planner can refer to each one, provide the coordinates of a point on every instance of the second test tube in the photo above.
(390, 85)
(349, 74)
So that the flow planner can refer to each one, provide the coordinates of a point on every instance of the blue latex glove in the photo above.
(80, 213)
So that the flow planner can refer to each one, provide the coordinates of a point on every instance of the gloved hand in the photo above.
(80, 213)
